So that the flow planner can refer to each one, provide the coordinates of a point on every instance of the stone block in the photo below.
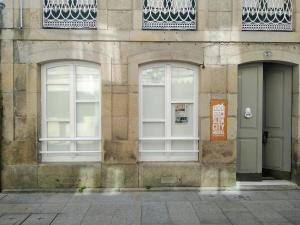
(133, 105)
(33, 78)
(119, 20)
(205, 80)
(20, 152)
(119, 5)
(101, 19)
(20, 103)
(20, 128)
(7, 52)
(114, 176)
(121, 151)
(212, 56)
(219, 152)
(219, 79)
(69, 175)
(7, 78)
(232, 78)
(106, 128)
(204, 129)
(119, 74)
(218, 176)
(120, 128)
(219, 21)
(19, 177)
(169, 175)
(20, 77)
(204, 105)
(232, 104)
(137, 19)
(119, 105)
(232, 128)
(7, 130)
(133, 129)
(120, 89)
(220, 5)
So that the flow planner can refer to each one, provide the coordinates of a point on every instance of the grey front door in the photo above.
(277, 117)
(250, 108)
(264, 120)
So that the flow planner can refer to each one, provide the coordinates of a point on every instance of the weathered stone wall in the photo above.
(119, 46)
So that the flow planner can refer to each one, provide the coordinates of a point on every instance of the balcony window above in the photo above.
(169, 15)
(70, 14)
(267, 15)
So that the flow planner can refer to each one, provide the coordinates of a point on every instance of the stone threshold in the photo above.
(241, 186)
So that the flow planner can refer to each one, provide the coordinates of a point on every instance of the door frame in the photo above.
(294, 126)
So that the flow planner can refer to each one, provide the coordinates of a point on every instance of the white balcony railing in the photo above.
(267, 15)
(69, 14)
(169, 14)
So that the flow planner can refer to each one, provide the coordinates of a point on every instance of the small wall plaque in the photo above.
(218, 120)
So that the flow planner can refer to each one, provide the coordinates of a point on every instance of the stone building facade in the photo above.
(120, 56)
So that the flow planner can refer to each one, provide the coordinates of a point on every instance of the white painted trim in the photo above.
(169, 139)
(72, 155)
(168, 154)
(70, 139)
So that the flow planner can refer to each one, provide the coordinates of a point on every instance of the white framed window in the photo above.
(71, 112)
(168, 104)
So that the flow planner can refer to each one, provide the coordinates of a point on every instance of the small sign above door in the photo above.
(218, 120)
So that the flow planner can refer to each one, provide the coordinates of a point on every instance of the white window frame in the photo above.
(167, 154)
(73, 155)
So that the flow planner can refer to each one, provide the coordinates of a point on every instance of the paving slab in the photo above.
(51, 208)
(209, 213)
(182, 213)
(149, 208)
(13, 219)
(39, 219)
(292, 216)
(155, 213)
(265, 213)
(25, 208)
(242, 218)
(80, 208)
(68, 219)
(226, 205)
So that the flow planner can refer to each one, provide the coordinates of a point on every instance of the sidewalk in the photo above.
(281, 207)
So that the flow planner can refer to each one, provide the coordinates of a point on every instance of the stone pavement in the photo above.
(152, 208)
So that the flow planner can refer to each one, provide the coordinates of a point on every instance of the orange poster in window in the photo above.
(218, 120)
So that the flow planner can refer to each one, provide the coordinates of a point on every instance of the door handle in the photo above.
(265, 137)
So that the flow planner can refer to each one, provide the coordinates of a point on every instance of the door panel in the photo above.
(250, 129)
(277, 117)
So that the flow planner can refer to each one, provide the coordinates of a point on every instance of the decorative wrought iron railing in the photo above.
(169, 15)
(70, 14)
(267, 15)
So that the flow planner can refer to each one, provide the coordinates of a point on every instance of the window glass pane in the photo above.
(182, 145)
(182, 84)
(88, 146)
(182, 120)
(58, 129)
(153, 75)
(58, 75)
(153, 145)
(58, 98)
(87, 83)
(58, 146)
(87, 119)
(153, 102)
(153, 129)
